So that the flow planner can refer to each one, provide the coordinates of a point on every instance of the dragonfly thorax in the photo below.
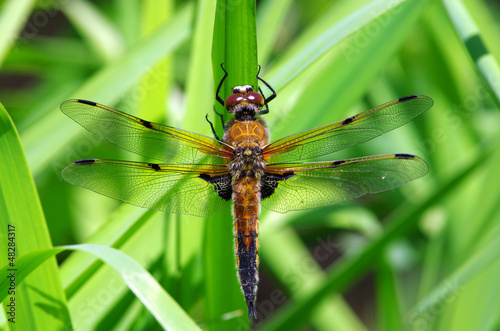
(247, 162)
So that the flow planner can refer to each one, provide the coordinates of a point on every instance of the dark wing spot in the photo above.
(147, 124)
(269, 183)
(407, 98)
(404, 156)
(91, 103)
(337, 163)
(222, 185)
(86, 161)
(348, 120)
(154, 166)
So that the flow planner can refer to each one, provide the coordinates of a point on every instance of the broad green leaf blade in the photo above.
(167, 312)
(234, 45)
(223, 294)
(145, 245)
(40, 300)
(119, 228)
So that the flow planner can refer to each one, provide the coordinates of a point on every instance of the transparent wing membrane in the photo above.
(317, 184)
(171, 188)
(354, 130)
(156, 141)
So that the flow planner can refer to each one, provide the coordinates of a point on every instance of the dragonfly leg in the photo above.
(213, 129)
(268, 99)
(219, 99)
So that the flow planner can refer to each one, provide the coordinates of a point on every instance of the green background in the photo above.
(421, 257)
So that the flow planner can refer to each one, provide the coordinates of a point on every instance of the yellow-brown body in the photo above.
(248, 138)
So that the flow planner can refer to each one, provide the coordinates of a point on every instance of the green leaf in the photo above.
(40, 299)
(13, 15)
(471, 36)
(387, 303)
(166, 311)
(99, 32)
(270, 17)
(224, 299)
(293, 64)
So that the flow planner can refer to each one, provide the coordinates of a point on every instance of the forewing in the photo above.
(354, 130)
(298, 186)
(156, 141)
(200, 190)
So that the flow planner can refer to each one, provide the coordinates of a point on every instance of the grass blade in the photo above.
(294, 64)
(102, 36)
(451, 287)
(40, 299)
(13, 15)
(471, 36)
(223, 294)
(167, 312)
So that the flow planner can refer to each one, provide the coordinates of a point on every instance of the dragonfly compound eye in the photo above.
(255, 97)
(232, 100)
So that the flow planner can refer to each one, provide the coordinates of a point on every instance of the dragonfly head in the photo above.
(244, 102)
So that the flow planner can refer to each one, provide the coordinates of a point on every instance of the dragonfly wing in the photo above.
(297, 186)
(354, 130)
(156, 141)
(199, 190)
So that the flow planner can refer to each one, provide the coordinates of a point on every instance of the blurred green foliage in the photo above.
(421, 257)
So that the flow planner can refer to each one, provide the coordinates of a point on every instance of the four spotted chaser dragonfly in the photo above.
(198, 175)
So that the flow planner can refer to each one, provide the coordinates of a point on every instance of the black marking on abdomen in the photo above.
(252, 235)
(248, 269)
(86, 161)
(90, 103)
(269, 183)
(404, 156)
(407, 98)
(222, 185)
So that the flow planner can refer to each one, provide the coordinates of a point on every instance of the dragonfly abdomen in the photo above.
(246, 196)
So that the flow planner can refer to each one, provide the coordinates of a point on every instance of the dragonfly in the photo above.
(199, 175)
